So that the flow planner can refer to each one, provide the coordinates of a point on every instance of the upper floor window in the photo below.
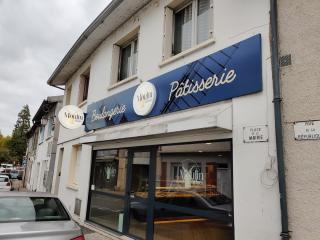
(51, 126)
(35, 140)
(125, 58)
(187, 25)
(84, 86)
(128, 60)
(42, 130)
(183, 29)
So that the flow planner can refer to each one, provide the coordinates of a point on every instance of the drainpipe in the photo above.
(285, 233)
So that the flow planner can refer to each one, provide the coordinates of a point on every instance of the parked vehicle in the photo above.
(31, 215)
(7, 170)
(5, 166)
(179, 203)
(14, 174)
(5, 183)
(20, 174)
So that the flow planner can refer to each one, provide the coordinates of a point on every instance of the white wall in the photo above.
(257, 211)
(68, 193)
(41, 160)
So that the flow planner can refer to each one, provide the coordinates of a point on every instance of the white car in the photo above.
(35, 216)
(5, 183)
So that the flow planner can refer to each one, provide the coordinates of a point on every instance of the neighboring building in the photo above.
(179, 137)
(299, 37)
(42, 145)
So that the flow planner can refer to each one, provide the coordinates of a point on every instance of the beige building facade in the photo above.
(299, 38)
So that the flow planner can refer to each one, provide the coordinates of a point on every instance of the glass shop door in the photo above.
(140, 194)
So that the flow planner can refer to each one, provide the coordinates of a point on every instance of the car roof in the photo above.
(26, 194)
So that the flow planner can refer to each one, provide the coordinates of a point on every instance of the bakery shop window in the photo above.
(193, 196)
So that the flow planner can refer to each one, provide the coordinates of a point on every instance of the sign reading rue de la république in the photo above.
(307, 130)
(231, 72)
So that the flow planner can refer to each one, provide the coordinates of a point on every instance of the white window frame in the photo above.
(131, 62)
(83, 78)
(41, 133)
(51, 125)
(124, 41)
(171, 9)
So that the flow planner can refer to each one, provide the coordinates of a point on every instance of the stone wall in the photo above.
(299, 34)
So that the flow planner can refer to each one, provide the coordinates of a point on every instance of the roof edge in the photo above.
(98, 21)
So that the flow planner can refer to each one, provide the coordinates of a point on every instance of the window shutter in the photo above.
(167, 33)
(49, 149)
(203, 21)
(115, 69)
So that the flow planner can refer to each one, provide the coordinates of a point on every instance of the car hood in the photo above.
(39, 230)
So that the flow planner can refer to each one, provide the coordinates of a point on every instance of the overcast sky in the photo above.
(34, 37)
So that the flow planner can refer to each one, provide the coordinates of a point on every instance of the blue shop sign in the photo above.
(231, 72)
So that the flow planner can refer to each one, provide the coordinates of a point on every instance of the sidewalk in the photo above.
(91, 235)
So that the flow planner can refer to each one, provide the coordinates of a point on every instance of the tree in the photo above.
(18, 141)
(4, 151)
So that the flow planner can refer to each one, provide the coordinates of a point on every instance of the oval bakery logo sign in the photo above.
(144, 99)
(71, 117)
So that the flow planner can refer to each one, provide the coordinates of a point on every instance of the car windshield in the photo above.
(26, 209)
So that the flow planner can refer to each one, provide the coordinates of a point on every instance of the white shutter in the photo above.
(203, 20)
(49, 149)
(167, 33)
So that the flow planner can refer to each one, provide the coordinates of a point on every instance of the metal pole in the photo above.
(285, 233)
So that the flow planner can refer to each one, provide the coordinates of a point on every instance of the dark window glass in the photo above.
(183, 29)
(139, 194)
(85, 89)
(193, 193)
(85, 85)
(109, 177)
(107, 211)
(140, 176)
(109, 173)
(128, 60)
(125, 62)
(190, 227)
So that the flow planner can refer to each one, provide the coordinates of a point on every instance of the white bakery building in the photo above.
(179, 137)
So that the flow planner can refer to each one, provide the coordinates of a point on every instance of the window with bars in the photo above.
(187, 25)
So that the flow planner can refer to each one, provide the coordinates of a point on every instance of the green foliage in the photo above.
(18, 142)
(4, 151)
